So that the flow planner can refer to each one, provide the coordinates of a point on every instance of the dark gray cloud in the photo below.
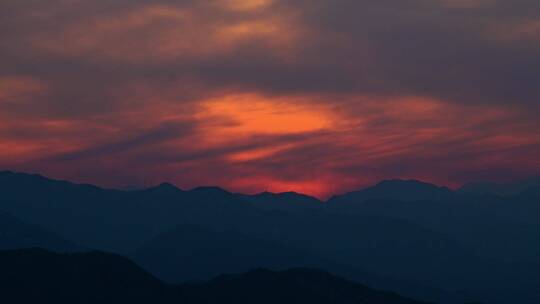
(460, 51)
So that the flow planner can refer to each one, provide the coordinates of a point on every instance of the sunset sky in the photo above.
(313, 96)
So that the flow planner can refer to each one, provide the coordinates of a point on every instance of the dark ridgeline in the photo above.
(498, 227)
(287, 201)
(39, 276)
(291, 286)
(15, 234)
(421, 240)
(514, 188)
(190, 252)
(401, 190)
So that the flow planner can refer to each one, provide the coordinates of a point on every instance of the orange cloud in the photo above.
(252, 114)
(258, 153)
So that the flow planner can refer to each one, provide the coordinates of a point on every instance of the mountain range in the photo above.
(16, 234)
(420, 240)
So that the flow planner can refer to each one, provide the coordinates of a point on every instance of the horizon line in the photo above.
(156, 185)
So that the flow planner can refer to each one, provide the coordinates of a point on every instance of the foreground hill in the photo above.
(38, 276)
(290, 286)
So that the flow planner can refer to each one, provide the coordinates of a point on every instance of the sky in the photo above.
(313, 96)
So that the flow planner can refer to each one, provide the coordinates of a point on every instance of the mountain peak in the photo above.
(281, 194)
(404, 184)
(165, 188)
(398, 189)
(283, 201)
(210, 190)
(13, 174)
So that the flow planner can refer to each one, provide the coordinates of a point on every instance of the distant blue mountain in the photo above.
(286, 201)
(505, 189)
(15, 234)
(398, 235)
(188, 252)
(401, 190)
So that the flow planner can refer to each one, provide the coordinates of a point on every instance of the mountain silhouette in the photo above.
(164, 189)
(15, 234)
(506, 189)
(38, 276)
(496, 227)
(113, 220)
(402, 190)
(421, 240)
(291, 286)
(188, 252)
(286, 201)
